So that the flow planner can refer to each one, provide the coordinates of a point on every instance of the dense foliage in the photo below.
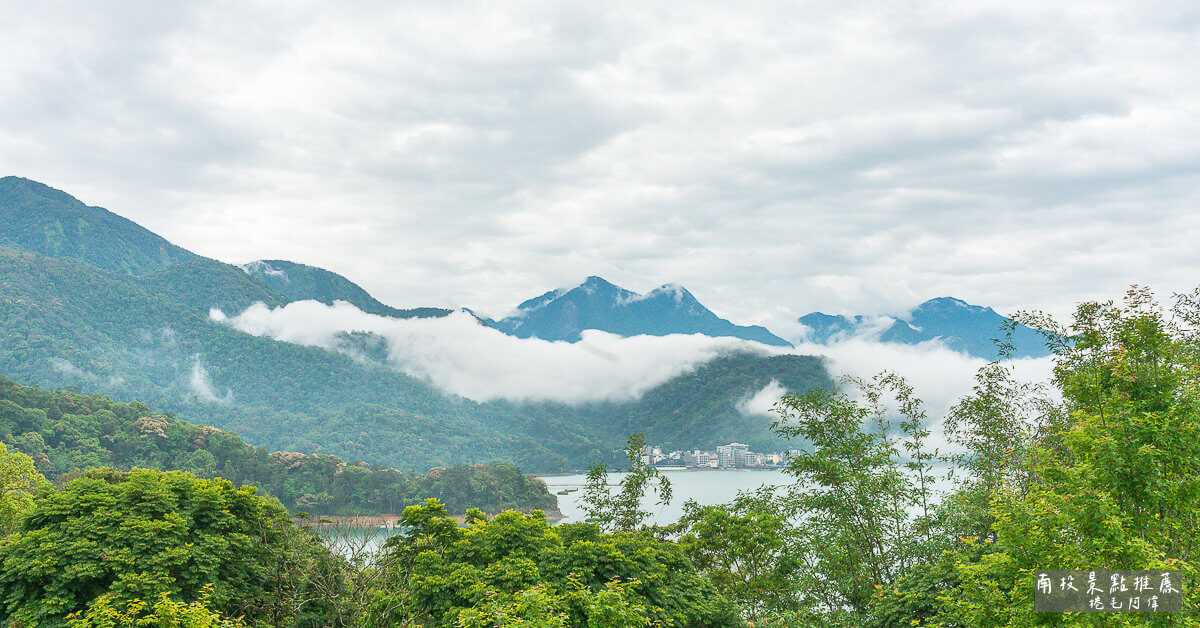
(1099, 471)
(138, 535)
(578, 576)
(1115, 480)
(165, 612)
(19, 482)
(66, 432)
(749, 550)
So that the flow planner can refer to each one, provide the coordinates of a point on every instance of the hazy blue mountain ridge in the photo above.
(598, 304)
(961, 326)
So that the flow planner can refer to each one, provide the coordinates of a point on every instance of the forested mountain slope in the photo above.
(66, 433)
(41, 219)
(696, 407)
(63, 323)
(300, 282)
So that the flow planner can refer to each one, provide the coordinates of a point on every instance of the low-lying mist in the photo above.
(460, 356)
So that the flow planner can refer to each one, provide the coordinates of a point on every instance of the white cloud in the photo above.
(938, 375)
(201, 385)
(68, 368)
(761, 402)
(462, 357)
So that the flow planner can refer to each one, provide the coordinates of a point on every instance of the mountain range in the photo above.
(598, 304)
(958, 325)
(95, 302)
(92, 301)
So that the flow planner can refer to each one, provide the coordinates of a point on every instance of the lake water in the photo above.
(707, 487)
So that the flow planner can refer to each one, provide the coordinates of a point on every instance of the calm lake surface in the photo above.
(705, 486)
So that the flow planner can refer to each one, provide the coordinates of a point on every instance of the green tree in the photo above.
(141, 534)
(615, 607)
(66, 433)
(535, 607)
(623, 510)
(1117, 485)
(749, 549)
(19, 482)
(494, 570)
(863, 492)
(164, 613)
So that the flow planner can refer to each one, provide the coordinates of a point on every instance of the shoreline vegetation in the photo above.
(389, 521)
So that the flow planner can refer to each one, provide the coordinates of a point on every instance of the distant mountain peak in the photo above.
(959, 325)
(599, 304)
(37, 188)
(950, 304)
(594, 285)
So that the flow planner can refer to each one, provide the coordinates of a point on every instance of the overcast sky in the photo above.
(774, 158)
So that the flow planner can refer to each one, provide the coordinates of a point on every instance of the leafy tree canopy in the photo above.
(518, 566)
(19, 481)
(139, 535)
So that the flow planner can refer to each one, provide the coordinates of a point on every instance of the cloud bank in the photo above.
(462, 357)
(939, 376)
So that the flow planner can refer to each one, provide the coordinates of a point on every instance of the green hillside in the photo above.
(699, 409)
(67, 324)
(301, 282)
(41, 219)
(201, 284)
(66, 433)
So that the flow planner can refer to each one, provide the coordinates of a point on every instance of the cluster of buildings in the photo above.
(731, 456)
